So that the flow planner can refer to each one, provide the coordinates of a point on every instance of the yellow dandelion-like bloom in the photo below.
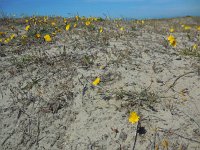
(133, 118)
(187, 27)
(101, 30)
(67, 27)
(171, 30)
(53, 23)
(2, 34)
(24, 36)
(142, 21)
(198, 28)
(87, 23)
(37, 35)
(45, 19)
(12, 36)
(64, 20)
(96, 81)
(7, 40)
(170, 38)
(122, 28)
(27, 27)
(26, 21)
(173, 43)
(47, 38)
(194, 47)
(77, 17)
(75, 25)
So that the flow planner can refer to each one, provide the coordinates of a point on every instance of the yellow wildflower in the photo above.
(45, 19)
(171, 30)
(77, 17)
(75, 25)
(37, 35)
(194, 47)
(2, 34)
(101, 30)
(87, 23)
(27, 27)
(187, 27)
(170, 38)
(7, 40)
(53, 23)
(121, 28)
(12, 36)
(142, 21)
(133, 118)
(47, 38)
(26, 21)
(198, 28)
(23, 36)
(65, 20)
(1, 40)
(96, 81)
(67, 27)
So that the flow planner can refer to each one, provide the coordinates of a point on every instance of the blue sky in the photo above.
(112, 8)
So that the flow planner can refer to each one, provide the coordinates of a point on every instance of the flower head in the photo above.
(101, 30)
(27, 27)
(133, 118)
(37, 35)
(87, 23)
(198, 28)
(75, 25)
(67, 27)
(194, 47)
(122, 28)
(47, 38)
(53, 23)
(12, 36)
(172, 40)
(96, 81)
(171, 30)
(187, 27)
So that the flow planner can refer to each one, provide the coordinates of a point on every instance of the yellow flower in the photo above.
(171, 30)
(77, 17)
(101, 30)
(65, 20)
(198, 28)
(12, 36)
(173, 43)
(26, 21)
(47, 38)
(142, 21)
(96, 81)
(7, 40)
(45, 19)
(121, 28)
(27, 27)
(37, 35)
(194, 47)
(23, 36)
(75, 25)
(67, 27)
(170, 38)
(1, 40)
(53, 23)
(187, 27)
(87, 23)
(2, 34)
(133, 118)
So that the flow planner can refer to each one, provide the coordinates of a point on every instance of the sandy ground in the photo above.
(47, 100)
